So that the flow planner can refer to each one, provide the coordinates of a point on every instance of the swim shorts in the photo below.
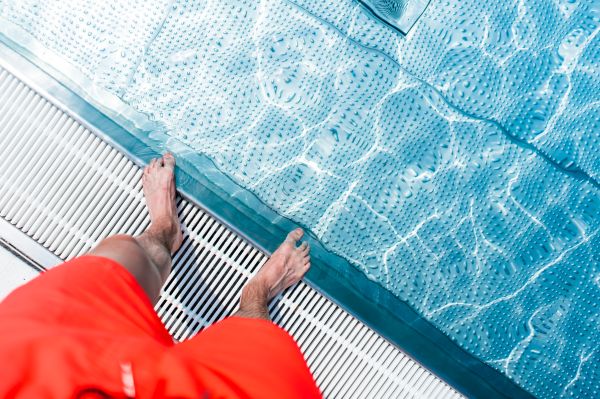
(86, 329)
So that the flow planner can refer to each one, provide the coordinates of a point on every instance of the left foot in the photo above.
(158, 181)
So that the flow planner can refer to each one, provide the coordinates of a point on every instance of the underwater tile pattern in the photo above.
(457, 166)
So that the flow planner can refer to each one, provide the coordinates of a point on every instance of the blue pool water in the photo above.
(458, 167)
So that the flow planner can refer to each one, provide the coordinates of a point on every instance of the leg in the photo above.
(285, 268)
(148, 256)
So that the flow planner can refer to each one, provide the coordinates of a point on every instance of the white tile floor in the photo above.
(13, 272)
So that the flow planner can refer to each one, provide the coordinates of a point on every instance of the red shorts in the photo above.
(87, 329)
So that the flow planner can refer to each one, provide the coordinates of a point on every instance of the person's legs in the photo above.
(148, 256)
(285, 268)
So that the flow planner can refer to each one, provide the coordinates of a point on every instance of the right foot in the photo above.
(286, 267)
(158, 181)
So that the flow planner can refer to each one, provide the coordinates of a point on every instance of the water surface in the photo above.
(458, 166)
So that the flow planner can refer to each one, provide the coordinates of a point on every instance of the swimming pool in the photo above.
(454, 169)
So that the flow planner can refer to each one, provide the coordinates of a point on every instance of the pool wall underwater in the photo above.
(448, 179)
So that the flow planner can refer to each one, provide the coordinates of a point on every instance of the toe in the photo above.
(306, 249)
(169, 161)
(294, 236)
(302, 248)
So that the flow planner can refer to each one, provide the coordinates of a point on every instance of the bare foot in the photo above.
(286, 266)
(158, 181)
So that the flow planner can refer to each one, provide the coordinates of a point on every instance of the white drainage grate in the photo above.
(67, 189)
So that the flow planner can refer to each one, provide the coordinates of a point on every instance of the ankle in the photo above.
(163, 223)
(164, 228)
(255, 292)
(157, 237)
(254, 300)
